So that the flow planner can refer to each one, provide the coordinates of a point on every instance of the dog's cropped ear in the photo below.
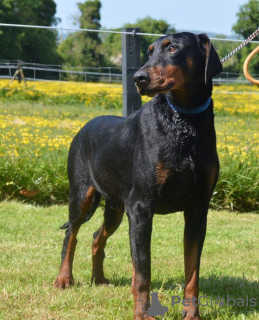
(213, 65)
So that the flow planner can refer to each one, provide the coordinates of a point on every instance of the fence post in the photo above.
(130, 64)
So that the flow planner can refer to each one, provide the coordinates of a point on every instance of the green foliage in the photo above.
(248, 18)
(84, 48)
(238, 185)
(247, 23)
(150, 25)
(242, 55)
(30, 45)
(237, 188)
(223, 48)
(102, 99)
(90, 16)
(36, 173)
(70, 50)
(112, 43)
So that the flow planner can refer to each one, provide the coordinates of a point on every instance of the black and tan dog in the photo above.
(161, 159)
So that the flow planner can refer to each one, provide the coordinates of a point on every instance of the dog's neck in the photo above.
(194, 96)
(196, 110)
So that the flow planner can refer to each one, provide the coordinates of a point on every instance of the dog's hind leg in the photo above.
(83, 202)
(112, 220)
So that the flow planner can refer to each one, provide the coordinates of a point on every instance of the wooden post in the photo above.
(19, 73)
(130, 64)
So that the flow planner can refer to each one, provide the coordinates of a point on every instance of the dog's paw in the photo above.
(99, 281)
(191, 315)
(63, 282)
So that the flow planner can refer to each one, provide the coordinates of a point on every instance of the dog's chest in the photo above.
(179, 157)
(177, 176)
(174, 187)
(179, 147)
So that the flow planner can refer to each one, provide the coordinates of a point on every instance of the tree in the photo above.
(247, 23)
(84, 48)
(147, 25)
(248, 17)
(150, 25)
(30, 45)
(223, 48)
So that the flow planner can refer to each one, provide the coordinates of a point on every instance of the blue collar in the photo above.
(200, 109)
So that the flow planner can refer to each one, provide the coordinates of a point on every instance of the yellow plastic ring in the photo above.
(246, 63)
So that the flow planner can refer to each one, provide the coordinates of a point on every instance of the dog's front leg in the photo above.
(194, 235)
(140, 229)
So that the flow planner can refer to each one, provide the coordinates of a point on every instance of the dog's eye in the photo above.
(172, 49)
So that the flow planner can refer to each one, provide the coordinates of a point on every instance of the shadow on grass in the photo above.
(120, 281)
(236, 292)
(238, 295)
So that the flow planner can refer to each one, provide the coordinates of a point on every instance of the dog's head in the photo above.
(178, 60)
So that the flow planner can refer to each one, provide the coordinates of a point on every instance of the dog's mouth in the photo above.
(151, 81)
(152, 90)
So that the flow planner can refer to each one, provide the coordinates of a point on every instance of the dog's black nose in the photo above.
(141, 78)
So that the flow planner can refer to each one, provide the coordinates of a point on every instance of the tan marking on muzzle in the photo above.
(165, 79)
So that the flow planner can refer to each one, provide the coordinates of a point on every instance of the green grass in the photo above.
(27, 172)
(30, 258)
(237, 188)
(238, 185)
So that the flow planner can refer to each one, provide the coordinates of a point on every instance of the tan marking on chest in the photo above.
(162, 173)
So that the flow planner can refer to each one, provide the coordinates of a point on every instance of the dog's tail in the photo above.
(90, 213)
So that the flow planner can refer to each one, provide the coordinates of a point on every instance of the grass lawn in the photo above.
(30, 258)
